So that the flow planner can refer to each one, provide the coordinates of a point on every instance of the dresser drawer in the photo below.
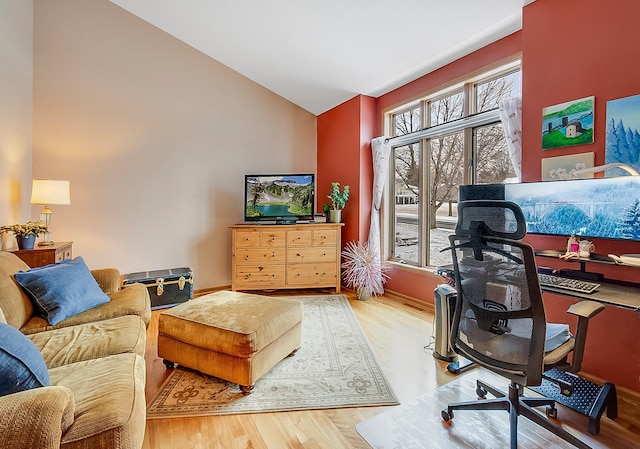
(257, 238)
(312, 274)
(255, 256)
(327, 237)
(256, 276)
(63, 253)
(313, 254)
(299, 238)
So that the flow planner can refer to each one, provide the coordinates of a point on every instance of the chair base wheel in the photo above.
(446, 415)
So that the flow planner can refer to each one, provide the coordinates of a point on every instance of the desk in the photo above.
(625, 295)
(609, 293)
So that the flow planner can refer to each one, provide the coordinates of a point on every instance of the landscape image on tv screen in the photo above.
(602, 207)
(279, 197)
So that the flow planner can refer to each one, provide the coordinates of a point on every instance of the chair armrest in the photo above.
(108, 279)
(586, 309)
(36, 418)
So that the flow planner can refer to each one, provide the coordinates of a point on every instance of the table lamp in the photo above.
(47, 192)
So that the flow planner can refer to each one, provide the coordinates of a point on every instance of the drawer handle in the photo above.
(298, 255)
(247, 276)
(298, 274)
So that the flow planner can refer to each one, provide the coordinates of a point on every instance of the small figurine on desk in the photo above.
(573, 246)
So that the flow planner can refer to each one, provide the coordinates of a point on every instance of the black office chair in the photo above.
(499, 320)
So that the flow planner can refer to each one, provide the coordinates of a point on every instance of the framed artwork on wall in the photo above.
(565, 167)
(623, 134)
(568, 124)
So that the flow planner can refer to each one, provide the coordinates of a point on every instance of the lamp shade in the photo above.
(46, 191)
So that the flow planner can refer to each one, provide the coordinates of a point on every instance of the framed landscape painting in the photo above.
(623, 134)
(568, 124)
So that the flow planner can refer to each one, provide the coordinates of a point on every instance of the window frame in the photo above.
(467, 124)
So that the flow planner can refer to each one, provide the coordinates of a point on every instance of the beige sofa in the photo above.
(95, 362)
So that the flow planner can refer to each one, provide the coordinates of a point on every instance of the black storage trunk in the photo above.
(167, 288)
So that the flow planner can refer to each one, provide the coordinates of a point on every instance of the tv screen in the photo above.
(598, 207)
(279, 198)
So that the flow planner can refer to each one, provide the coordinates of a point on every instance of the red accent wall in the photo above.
(574, 49)
(603, 65)
(344, 155)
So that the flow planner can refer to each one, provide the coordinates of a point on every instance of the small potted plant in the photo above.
(338, 199)
(363, 269)
(25, 233)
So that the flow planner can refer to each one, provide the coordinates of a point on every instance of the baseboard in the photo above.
(205, 291)
(410, 301)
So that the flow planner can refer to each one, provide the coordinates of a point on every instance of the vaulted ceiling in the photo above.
(318, 54)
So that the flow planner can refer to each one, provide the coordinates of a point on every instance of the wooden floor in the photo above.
(400, 335)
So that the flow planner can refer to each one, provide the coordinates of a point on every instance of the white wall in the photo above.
(155, 138)
(16, 79)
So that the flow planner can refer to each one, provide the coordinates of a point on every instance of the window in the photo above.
(441, 141)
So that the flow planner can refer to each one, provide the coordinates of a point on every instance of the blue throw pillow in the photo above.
(62, 290)
(21, 364)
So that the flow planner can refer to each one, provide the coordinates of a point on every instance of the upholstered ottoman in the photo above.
(233, 336)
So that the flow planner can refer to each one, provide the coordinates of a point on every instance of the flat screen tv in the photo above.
(598, 207)
(279, 198)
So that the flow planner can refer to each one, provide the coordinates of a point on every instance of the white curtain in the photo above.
(381, 151)
(511, 117)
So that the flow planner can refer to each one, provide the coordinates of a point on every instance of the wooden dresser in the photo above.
(45, 255)
(285, 256)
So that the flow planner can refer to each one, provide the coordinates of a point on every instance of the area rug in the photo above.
(335, 367)
(419, 425)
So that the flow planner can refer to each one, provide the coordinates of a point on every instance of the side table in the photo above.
(45, 255)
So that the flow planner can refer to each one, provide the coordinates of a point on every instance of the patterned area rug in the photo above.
(335, 367)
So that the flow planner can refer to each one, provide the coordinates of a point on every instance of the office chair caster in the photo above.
(551, 412)
(481, 392)
(446, 415)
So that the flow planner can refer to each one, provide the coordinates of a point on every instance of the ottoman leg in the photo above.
(292, 353)
(247, 389)
(168, 363)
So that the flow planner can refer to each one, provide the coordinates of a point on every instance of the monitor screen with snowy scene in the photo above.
(598, 208)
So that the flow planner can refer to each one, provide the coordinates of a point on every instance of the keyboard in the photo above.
(575, 285)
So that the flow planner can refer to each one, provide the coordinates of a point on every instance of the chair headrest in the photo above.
(495, 218)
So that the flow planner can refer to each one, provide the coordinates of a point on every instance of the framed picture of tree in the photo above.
(623, 134)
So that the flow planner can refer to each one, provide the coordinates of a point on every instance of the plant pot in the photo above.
(363, 293)
(26, 242)
(335, 215)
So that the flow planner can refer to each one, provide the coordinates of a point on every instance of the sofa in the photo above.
(90, 391)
